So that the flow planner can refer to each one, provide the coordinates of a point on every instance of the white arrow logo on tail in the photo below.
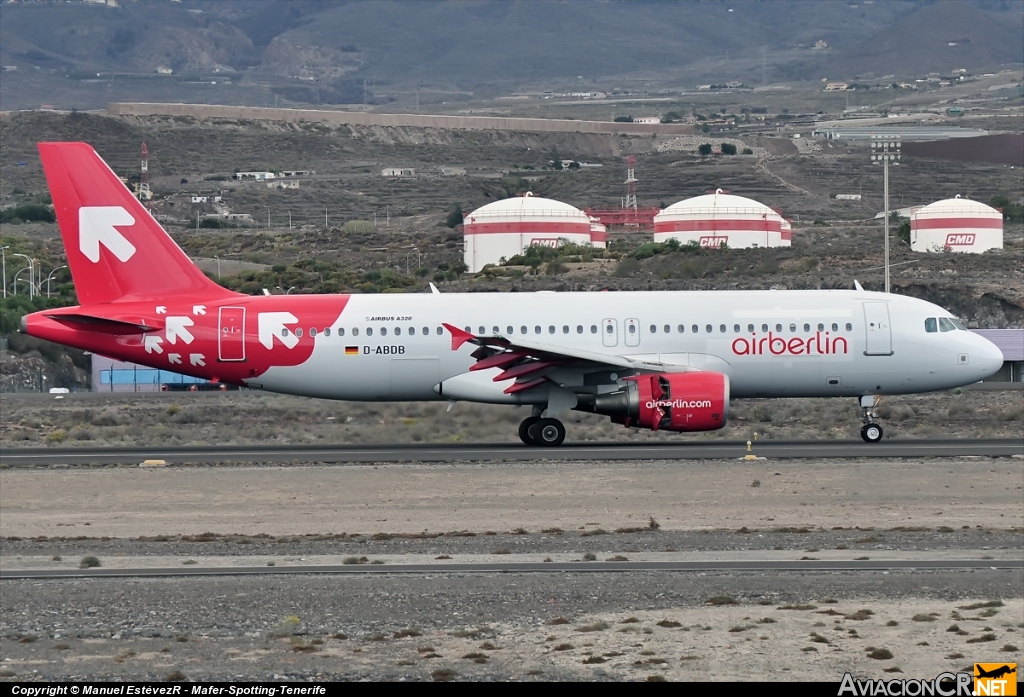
(199, 309)
(174, 358)
(272, 324)
(197, 359)
(152, 343)
(176, 329)
(96, 226)
(161, 309)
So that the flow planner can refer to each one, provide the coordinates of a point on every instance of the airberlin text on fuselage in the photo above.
(819, 344)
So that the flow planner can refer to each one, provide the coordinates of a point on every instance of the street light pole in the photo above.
(218, 265)
(886, 149)
(31, 275)
(51, 276)
(3, 256)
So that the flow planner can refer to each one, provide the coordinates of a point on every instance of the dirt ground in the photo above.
(129, 502)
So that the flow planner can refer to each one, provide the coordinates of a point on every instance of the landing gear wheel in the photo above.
(524, 430)
(547, 432)
(871, 433)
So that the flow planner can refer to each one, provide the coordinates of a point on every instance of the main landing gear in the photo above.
(545, 432)
(871, 432)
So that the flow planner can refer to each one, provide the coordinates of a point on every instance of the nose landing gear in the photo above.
(871, 432)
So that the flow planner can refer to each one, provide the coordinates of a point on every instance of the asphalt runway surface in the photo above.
(692, 450)
(528, 567)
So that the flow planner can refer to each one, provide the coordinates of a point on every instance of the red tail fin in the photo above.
(116, 250)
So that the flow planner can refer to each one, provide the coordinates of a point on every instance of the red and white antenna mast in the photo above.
(630, 204)
(144, 193)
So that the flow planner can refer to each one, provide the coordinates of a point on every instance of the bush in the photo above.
(704, 149)
(30, 212)
(89, 562)
(728, 149)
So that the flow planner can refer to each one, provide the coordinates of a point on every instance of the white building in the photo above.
(398, 172)
(956, 225)
(258, 176)
(505, 228)
(716, 219)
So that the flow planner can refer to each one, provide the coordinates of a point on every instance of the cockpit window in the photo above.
(945, 325)
(930, 325)
(958, 324)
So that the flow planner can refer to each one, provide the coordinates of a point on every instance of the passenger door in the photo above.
(878, 331)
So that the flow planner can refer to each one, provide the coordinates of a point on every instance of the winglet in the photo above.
(434, 290)
(459, 337)
(857, 285)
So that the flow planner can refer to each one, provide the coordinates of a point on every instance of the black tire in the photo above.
(871, 433)
(524, 430)
(548, 432)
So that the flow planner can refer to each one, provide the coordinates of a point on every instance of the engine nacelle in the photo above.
(697, 401)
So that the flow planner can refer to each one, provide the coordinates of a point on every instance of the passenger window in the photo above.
(312, 331)
(355, 331)
(565, 328)
(369, 331)
(298, 331)
(668, 329)
(551, 329)
(284, 332)
(709, 329)
(536, 329)
(835, 327)
(327, 331)
(495, 330)
(736, 329)
(778, 327)
(807, 327)
(412, 331)
(341, 331)
(681, 329)
(579, 328)
(721, 328)
(764, 327)
(792, 328)
(469, 330)
(483, 330)
(610, 329)
(632, 329)
(750, 327)
(383, 331)
(849, 327)
(593, 329)
(944, 325)
(695, 329)
(654, 329)
(440, 331)
(821, 327)
(398, 331)
(426, 331)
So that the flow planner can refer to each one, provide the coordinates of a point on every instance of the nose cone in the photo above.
(985, 356)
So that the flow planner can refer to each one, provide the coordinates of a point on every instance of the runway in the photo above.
(340, 454)
(528, 568)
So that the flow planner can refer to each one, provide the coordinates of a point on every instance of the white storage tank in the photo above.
(956, 225)
(505, 228)
(720, 218)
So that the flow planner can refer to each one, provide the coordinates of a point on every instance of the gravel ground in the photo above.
(631, 626)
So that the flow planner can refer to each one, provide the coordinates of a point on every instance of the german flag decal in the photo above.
(351, 350)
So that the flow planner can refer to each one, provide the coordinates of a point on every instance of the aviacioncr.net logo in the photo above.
(943, 685)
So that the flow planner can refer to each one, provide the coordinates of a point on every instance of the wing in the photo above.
(531, 364)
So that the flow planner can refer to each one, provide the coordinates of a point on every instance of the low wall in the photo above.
(358, 118)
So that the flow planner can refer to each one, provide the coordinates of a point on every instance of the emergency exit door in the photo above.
(231, 334)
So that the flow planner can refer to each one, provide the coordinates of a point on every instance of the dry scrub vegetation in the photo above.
(253, 417)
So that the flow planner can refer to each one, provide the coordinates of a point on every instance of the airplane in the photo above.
(668, 361)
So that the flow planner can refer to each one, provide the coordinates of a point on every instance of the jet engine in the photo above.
(697, 401)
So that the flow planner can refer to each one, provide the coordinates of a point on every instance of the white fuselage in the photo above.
(769, 343)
